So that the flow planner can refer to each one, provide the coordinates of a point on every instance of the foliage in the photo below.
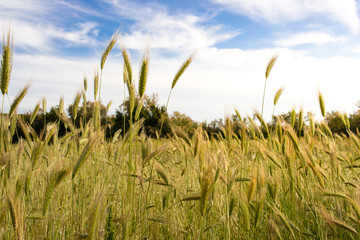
(150, 112)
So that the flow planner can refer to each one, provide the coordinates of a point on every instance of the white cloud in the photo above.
(40, 37)
(8, 7)
(311, 37)
(36, 25)
(280, 11)
(85, 33)
(176, 32)
(180, 33)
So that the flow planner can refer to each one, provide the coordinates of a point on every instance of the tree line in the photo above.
(154, 115)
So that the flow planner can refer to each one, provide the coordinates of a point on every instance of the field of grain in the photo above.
(259, 183)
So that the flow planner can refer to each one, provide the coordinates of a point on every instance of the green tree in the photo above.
(335, 123)
(151, 112)
(184, 122)
(84, 114)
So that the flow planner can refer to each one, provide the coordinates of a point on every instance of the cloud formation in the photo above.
(176, 32)
(312, 37)
(280, 11)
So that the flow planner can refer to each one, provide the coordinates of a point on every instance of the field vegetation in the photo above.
(154, 176)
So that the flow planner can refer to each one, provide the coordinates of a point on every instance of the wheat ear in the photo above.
(182, 69)
(321, 103)
(144, 72)
(85, 83)
(61, 105)
(106, 53)
(34, 113)
(267, 72)
(127, 63)
(96, 84)
(83, 156)
(277, 96)
(18, 99)
(108, 49)
(76, 104)
(6, 63)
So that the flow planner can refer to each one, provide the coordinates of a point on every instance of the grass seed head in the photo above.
(76, 104)
(301, 119)
(61, 105)
(6, 62)
(84, 156)
(278, 94)
(44, 105)
(321, 103)
(182, 69)
(108, 49)
(127, 65)
(271, 64)
(85, 83)
(96, 84)
(34, 112)
(144, 69)
(18, 99)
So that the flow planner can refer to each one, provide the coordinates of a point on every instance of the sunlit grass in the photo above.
(259, 183)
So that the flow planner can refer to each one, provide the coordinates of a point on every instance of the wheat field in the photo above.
(259, 183)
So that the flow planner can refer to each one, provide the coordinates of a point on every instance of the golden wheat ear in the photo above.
(144, 69)
(321, 103)
(271, 64)
(108, 48)
(182, 69)
(6, 62)
(278, 94)
(127, 64)
(18, 98)
(96, 84)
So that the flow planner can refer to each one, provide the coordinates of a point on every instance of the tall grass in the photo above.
(241, 186)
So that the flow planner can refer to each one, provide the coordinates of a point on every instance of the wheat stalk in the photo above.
(300, 120)
(321, 103)
(106, 53)
(127, 64)
(84, 156)
(76, 104)
(108, 48)
(18, 99)
(246, 215)
(61, 105)
(85, 83)
(55, 179)
(96, 84)
(238, 114)
(277, 96)
(144, 72)
(95, 212)
(267, 72)
(34, 112)
(6, 62)
(292, 118)
(271, 64)
(182, 69)
(262, 121)
(311, 124)
(15, 218)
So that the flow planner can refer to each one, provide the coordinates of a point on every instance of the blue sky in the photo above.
(58, 42)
